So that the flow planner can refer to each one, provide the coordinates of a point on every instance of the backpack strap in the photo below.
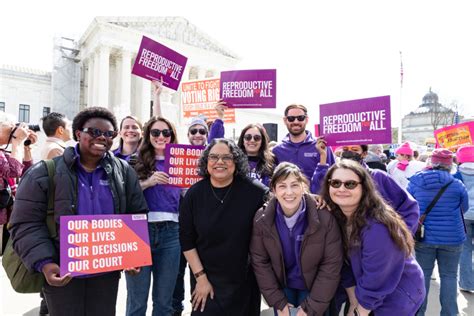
(50, 165)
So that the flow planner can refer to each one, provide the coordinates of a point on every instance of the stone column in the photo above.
(95, 81)
(144, 97)
(90, 80)
(103, 82)
(125, 62)
(201, 72)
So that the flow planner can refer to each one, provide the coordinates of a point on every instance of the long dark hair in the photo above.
(266, 163)
(371, 205)
(146, 153)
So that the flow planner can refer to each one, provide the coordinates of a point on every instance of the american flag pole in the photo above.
(400, 105)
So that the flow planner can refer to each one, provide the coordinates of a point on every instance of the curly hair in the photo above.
(89, 113)
(266, 163)
(371, 206)
(240, 159)
(146, 153)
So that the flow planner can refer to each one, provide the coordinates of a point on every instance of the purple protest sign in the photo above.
(181, 162)
(363, 121)
(100, 243)
(249, 88)
(155, 61)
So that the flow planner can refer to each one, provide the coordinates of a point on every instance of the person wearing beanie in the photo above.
(197, 132)
(465, 173)
(404, 166)
(443, 226)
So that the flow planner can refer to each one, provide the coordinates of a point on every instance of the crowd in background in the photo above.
(307, 226)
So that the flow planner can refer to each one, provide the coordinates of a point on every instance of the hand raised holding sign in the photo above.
(158, 177)
(221, 106)
(321, 147)
(157, 89)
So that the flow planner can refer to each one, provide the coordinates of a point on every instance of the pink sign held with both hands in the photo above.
(156, 62)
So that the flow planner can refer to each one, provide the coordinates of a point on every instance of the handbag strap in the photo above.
(50, 165)
(432, 204)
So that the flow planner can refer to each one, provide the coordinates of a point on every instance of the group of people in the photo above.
(307, 229)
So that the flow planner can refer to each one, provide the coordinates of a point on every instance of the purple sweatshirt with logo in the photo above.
(291, 246)
(386, 281)
(162, 198)
(303, 154)
(254, 173)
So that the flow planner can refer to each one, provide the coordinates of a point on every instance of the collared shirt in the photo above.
(94, 195)
(52, 144)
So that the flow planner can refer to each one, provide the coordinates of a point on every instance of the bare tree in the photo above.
(443, 115)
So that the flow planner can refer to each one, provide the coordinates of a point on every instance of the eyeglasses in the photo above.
(158, 132)
(350, 184)
(225, 158)
(300, 118)
(95, 132)
(194, 131)
(248, 137)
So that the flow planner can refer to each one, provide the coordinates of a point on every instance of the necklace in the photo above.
(225, 195)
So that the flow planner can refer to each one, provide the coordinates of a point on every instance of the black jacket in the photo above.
(28, 227)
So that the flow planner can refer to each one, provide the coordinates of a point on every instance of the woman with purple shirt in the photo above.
(382, 276)
(253, 141)
(163, 203)
(296, 247)
(88, 180)
(130, 137)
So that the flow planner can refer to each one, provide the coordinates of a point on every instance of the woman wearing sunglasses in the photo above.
(130, 137)
(253, 141)
(89, 180)
(296, 247)
(163, 202)
(381, 276)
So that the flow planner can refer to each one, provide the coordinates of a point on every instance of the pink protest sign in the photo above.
(363, 121)
(155, 61)
(454, 136)
(181, 164)
(249, 88)
(100, 243)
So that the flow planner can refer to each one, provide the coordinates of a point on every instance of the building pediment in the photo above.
(176, 29)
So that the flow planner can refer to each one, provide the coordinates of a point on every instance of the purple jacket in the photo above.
(401, 201)
(255, 174)
(303, 154)
(386, 281)
(217, 130)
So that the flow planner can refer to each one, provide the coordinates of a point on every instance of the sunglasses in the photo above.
(350, 184)
(225, 158)
(194, 131)
(300, 118)
(248, 137)
(158, 132)
(95, 132)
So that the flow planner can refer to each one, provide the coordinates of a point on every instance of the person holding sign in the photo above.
(299, 146)
(294, 228)
(216, 218)
(89, 180)
(381, 276)
(163, 202)
(130, 137)
(253, 141)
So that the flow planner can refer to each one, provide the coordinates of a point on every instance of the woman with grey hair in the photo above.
(216, 218)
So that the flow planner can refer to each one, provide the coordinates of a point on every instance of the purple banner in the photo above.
(181, 164)
(363, 121)
(155, 61)
(100, 243)
(249, 88)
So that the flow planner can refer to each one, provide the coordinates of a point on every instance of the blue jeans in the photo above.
(165, 252)
(178, 293)
(448, 261)
(294, 297)
(466, 265)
